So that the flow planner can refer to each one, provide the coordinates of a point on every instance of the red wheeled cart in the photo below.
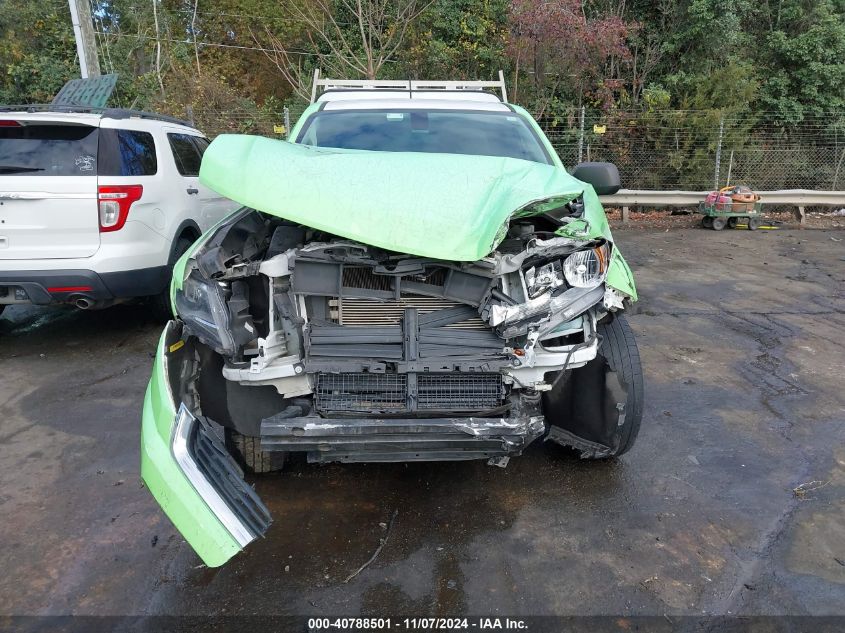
(729, 205)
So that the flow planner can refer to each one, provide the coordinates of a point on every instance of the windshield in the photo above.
(48, 150)
(432, 131)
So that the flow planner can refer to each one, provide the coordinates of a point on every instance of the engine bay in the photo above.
(367, 337)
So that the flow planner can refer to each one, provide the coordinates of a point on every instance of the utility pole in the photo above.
(718, 169)
(581, 137)
(83, 30)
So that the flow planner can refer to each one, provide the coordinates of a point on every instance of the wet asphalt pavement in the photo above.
(732, 501)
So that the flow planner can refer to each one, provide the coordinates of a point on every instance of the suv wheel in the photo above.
(160, 303)
(247, 452)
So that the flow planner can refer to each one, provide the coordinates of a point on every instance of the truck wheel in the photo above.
(719, 223)
(707, 222)
(619, 348)
(754, 223)
(247, 452)
(583, 411)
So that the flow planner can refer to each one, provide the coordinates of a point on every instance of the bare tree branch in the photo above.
(291, 70)
(360, 47)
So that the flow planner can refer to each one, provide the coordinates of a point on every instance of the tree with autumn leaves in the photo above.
(780, 61)
(558, 51)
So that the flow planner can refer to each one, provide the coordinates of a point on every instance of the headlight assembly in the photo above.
(201, 305)
(540, 279)
(587, 268)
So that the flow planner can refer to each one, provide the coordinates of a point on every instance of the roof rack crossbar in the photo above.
(111, 113)
(321, 85)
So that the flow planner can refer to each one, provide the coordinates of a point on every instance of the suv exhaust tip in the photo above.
(84, 303)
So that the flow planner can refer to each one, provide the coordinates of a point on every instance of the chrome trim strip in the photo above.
(182, 429)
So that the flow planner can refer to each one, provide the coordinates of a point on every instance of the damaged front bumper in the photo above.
(405, 439)
(188, 470)
(413, 439)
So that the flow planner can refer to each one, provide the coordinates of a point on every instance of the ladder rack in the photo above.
(410, 85)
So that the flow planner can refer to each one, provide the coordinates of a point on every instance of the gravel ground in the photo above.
(732, 501)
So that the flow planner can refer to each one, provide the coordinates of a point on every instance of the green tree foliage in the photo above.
(37, 50)
(771, 61)
(803, 59)
(457, 39)
(786, 58)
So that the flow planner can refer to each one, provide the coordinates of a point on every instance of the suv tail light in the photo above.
(114, 202)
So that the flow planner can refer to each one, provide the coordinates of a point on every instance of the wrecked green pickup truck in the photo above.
(415, 277)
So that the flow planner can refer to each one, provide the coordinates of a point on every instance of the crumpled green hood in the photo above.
(444, 206)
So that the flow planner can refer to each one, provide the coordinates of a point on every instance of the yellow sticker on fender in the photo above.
(176, 346)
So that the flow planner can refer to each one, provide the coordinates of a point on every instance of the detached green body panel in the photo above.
(165, 480)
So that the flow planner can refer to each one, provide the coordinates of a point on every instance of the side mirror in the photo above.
(603, 176)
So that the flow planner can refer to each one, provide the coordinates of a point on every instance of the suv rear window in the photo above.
(126, 153)
(48, 150)
(185, 154)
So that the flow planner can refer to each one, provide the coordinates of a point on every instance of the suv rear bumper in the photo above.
(59, 286)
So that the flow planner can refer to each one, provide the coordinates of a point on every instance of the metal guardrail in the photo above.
(798, 198)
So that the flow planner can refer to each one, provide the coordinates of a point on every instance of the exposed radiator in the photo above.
(349, 311)
(453, 391)
(459, 392)
(357, 391)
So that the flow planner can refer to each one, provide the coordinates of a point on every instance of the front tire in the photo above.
(583, 408)
(619, 348)
(247, 452)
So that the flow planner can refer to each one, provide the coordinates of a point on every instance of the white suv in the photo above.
(95, 207)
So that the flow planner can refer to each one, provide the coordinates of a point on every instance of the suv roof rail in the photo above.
(404, 84)
(123, 113)
(111, 113)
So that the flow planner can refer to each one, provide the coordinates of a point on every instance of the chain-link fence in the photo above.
(245, 120)
(698, 150)
(656, 150)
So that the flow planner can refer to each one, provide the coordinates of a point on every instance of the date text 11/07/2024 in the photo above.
(417, 624)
